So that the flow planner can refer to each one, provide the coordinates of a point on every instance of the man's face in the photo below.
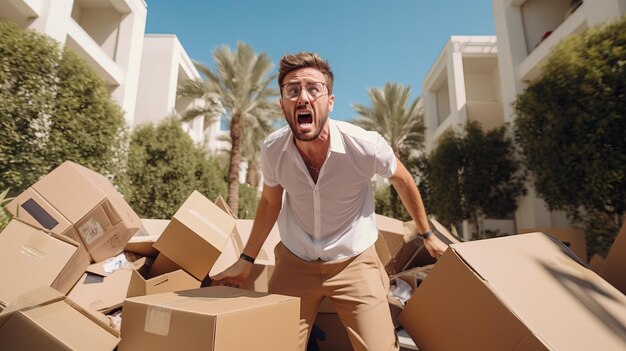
(307, 112)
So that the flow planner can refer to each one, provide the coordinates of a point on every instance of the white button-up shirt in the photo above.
(333, 218)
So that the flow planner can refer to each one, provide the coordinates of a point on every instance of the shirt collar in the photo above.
(336, 141)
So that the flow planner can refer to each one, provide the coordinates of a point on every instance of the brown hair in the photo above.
(292, 62)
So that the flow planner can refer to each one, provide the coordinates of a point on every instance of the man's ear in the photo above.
(282, 108)
(331, 103)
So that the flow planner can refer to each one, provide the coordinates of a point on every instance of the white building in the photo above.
(461, 86)
(464, 85)
(165, 66)
(527, 30)
(107, 34)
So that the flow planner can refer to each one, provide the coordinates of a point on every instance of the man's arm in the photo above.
(264, 219)
(404, 184)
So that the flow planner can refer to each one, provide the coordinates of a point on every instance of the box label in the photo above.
(90, 231)
(158, 320)
(39, 214)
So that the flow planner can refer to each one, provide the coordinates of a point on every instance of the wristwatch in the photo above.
(425, 235)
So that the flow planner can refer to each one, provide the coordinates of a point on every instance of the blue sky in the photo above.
(367, 42)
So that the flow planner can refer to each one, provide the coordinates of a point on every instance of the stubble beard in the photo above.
(307, 137)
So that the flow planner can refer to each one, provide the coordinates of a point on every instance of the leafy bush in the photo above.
(570, 126)
(248, 201)
(164, 167)
(5, 216)
(53, 108)
(475, 175)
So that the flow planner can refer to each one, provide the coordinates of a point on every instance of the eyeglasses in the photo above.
(313, 89)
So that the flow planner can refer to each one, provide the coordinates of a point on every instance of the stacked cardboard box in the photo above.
(76, 202)
(29, 258)
(44, 319)
(522, 292)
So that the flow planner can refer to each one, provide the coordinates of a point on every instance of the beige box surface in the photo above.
(44, 319)
(163, 276)
(401, 241)
(30, 258)
(102, 219)
(614, 266)
(572, 237)
(196, 235)
(103, 292)
(264, 263)
(221, 203)
(421, 257)
(213, 318)
(521, 292)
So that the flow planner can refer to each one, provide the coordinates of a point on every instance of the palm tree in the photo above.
(398, 120)
(256, 129)
(391, 115)
(239, 86)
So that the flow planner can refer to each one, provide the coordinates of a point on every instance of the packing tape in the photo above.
(158, 320)
(208, 223)
(33, 247)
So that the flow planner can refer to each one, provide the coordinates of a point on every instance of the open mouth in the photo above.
(305, 118)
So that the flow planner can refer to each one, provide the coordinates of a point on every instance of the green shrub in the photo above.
(5, 216)
(53, 108)
(165, 167)
(570, 126)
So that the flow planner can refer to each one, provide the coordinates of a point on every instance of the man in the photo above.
(317, 175)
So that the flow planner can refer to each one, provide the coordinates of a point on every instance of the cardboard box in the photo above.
(401, 240)
(30, 258)
(103, 292)
(264, 263)
(163, 276)
(595, 264)
(382, 250)
(221, 203)
(421, 257)
(73, 195)
(214, 318)
(572, 237)
(614, 265)
(44, 319)
(142, 242)
(196, 235)
(414, 276)
(520, 292)
(73, 270)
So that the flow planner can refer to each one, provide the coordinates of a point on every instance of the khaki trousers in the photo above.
(357, 287)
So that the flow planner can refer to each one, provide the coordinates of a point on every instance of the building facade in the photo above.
(107, 34)
(527, 30)
(464, 85)
(165, 66)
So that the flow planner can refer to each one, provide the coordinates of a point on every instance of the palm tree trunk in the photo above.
(235, 160)
(252, 176)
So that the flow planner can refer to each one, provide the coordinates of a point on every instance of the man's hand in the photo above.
(435, 246)
(234, 275)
